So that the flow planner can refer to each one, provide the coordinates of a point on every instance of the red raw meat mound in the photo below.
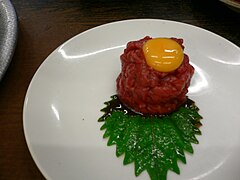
(147, 91)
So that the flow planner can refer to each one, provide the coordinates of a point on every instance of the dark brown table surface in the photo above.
(46, 24)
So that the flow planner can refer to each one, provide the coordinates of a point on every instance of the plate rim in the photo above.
(231, 3)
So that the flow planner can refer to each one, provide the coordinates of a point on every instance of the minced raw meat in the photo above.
(147, 91)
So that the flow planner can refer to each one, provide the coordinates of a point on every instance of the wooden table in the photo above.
(44, 25)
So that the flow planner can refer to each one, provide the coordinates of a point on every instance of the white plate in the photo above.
(65, 96)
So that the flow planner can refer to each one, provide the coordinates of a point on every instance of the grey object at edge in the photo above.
(8, 34)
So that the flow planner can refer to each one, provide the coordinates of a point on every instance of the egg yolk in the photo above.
(163, 54)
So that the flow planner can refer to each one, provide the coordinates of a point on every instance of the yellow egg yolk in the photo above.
(163, 54)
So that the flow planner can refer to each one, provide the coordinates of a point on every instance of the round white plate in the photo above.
(64, 99)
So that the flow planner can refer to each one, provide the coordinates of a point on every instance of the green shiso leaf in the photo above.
(152, 143)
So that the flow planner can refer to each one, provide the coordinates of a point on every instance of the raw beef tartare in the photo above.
(148, 91)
